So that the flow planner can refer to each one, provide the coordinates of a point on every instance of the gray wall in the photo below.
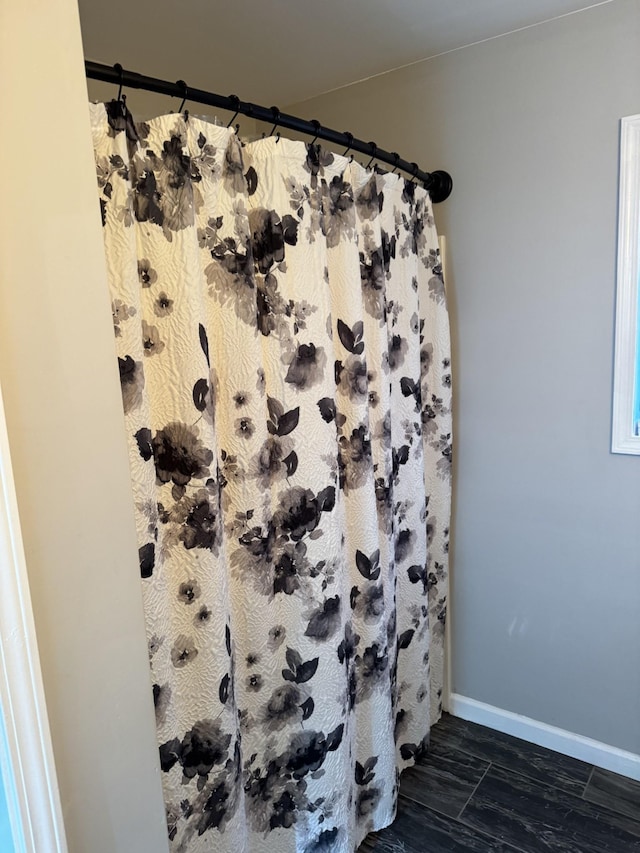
(546, 581)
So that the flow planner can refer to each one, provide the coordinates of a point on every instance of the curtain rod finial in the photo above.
(440, 185)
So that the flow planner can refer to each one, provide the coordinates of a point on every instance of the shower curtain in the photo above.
(283, 345)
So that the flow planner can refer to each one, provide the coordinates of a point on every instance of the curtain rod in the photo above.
(438, 183)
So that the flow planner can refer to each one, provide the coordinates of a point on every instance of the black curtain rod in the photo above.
(439, 184)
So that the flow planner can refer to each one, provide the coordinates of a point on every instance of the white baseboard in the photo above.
(568, 743)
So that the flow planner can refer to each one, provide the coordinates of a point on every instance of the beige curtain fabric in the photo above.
(283, 344)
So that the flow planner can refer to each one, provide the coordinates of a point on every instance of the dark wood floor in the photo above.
(479, 790)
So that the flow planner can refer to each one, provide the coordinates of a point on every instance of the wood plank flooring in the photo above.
(479, 790)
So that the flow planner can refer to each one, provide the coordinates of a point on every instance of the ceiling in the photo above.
(285, 51)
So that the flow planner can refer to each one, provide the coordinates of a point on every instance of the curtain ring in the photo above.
(275, 112)
(374, 151)
(317, 127)
(185, 93)
(235, 101)
(414, 172)
(396, 160)
(350, 141)
(120, 71)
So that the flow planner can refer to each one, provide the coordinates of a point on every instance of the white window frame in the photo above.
(624, 437)
(26, 756)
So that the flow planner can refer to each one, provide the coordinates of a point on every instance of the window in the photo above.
(626, 390)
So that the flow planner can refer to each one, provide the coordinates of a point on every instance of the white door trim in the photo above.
(28, 765)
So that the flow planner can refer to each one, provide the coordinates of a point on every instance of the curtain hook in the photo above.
(246, 110)
(235, 101)
(396, 160)
(185, 93)
(275, 112)
(374, 151)
(120, 71)
(317, 127)
(350, 143)
(414, 172)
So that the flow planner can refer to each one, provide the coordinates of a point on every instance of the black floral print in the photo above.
(353, 377)
(161, 700)
(277, 636)
(146, 273)
(121, 313)
(202, 747)
(355, 458)
(284, 705)
(200, 525)
(307, 366)
(163, 306)
(269, 464)
(165, 185)
(338, 214)
(290, 448)
(203, 615)
(268, 236)
(179, 455)
(244, 427)
(189, 591)
(324, 621)
(183, 651)
(151, 339)
(147, 559)
(131, 382)
(300, 510)
(370, 200)
(398, 347)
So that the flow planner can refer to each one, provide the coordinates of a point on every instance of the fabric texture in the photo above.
(283, 344)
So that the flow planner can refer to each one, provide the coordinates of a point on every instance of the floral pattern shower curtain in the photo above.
(283, 346)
